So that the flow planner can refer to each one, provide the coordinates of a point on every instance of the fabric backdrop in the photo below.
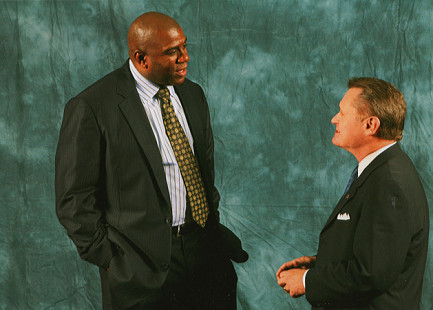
(273, 71)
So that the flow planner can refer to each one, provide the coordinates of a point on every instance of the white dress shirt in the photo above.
(176, 187)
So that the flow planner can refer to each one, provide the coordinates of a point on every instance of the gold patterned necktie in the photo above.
(185, 159)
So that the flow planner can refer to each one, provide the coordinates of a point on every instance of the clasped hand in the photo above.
(290, 275)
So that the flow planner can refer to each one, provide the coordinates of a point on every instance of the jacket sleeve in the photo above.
(80, 183)
(381, 242)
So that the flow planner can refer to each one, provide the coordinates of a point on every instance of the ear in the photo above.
(141, 59)
(372, 125)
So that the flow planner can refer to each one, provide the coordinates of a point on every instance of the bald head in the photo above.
(145, 29)
(157, 48)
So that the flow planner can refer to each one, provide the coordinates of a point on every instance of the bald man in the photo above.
(135, 181)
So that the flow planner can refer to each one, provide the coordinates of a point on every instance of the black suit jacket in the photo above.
(111, 191)
(375, 259)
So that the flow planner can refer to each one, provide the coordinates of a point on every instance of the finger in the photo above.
(283, 267)
(295, 294)
(279, 272)
(281, 275)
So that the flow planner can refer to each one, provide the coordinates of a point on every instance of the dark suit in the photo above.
(111, 190)
(375, 259)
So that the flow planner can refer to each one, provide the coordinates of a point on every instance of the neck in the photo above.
(366, 150)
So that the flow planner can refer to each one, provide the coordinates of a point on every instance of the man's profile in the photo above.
(373, 248)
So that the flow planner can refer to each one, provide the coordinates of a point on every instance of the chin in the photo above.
(335, 142)
(181, 80)
(177, 81)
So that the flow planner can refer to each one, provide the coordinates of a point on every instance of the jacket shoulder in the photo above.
(107, 87)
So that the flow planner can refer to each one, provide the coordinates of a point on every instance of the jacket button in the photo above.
(164, 267)
(168, 221)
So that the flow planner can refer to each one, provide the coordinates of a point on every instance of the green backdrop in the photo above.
(274, 72)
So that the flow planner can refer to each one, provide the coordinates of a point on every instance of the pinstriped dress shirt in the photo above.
(176, 187)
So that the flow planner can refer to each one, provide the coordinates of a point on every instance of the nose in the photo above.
(183, 56)
(334, 120)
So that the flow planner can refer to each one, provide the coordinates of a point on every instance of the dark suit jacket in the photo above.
(376, 259)
(111, 191)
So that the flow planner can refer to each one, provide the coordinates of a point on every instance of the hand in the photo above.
(303, 262)
(291, 281)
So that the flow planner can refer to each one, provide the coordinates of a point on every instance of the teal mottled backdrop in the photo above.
(273, 71)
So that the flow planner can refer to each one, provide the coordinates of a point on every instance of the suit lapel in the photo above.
(138, 121)
(393, 151)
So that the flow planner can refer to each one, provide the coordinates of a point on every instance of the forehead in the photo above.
(350, 97)
(168, 38)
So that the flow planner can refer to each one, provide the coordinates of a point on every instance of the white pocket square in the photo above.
(343, 216)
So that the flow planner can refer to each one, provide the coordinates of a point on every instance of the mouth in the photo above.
(181, 72)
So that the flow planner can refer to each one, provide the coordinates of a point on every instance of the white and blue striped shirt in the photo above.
(147, 91)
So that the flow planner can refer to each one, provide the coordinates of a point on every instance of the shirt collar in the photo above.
(146, 86)
(370, 157)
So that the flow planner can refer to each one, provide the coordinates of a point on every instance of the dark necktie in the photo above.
(353, 177)
(185, 159)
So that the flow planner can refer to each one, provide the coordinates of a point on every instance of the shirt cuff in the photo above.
(303, 278)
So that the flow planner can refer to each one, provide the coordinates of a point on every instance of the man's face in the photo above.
(167, 58)
(350, 129)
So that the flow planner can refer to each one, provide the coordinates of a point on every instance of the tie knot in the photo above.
(163, 93)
